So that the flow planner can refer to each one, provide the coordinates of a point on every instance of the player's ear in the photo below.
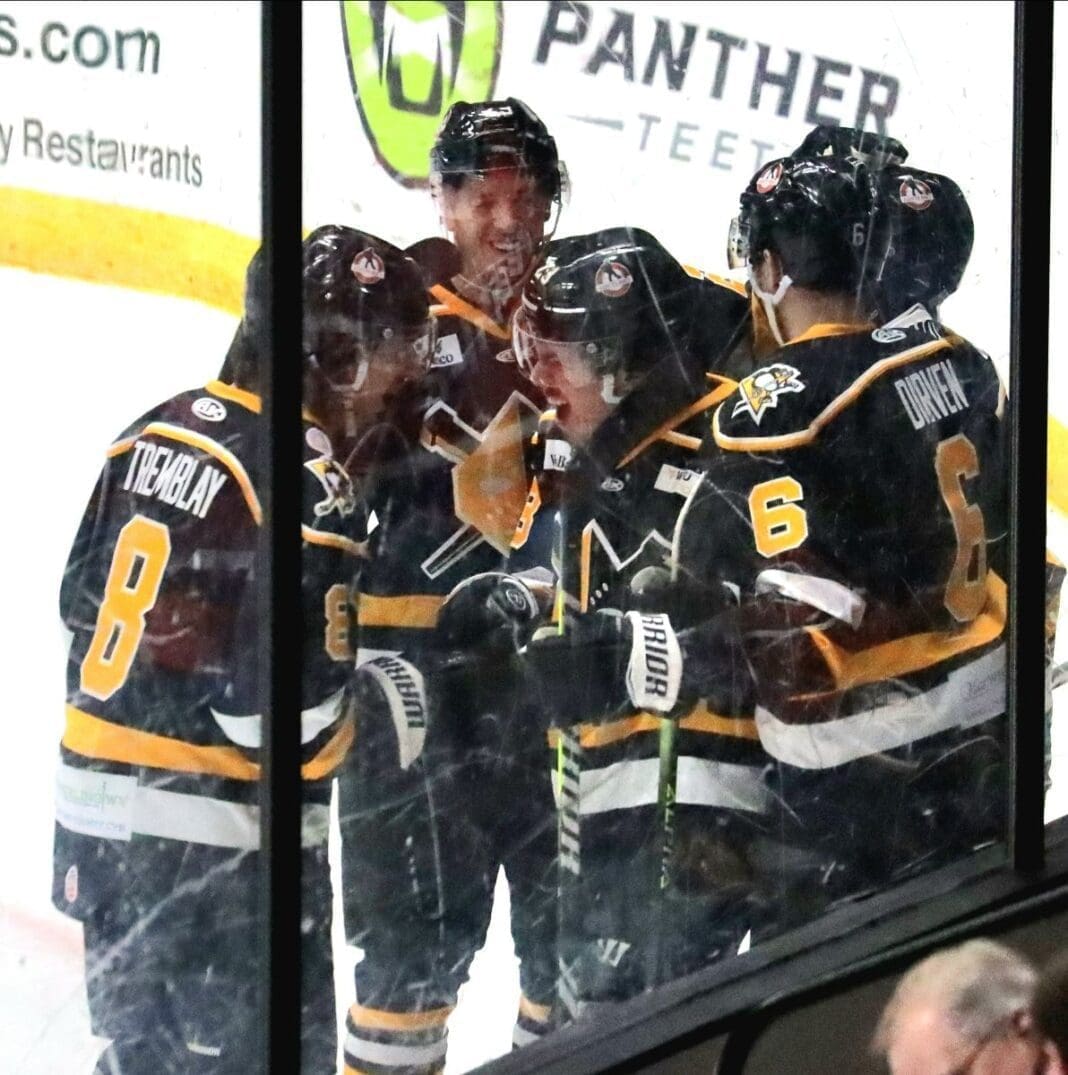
(768, 270)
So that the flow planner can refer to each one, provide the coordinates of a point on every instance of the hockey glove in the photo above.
(492, 611)
(606, 663)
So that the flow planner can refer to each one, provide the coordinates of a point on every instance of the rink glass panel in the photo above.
(674, 844)
(132, 207)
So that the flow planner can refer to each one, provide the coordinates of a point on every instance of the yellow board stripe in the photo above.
(379, 1019)
(94, 737)
(1057, 466)
(115, 244)
(890, 660)
(412, 610)
(699, 719)
(832, 410)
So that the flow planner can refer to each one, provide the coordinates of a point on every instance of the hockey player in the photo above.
(858, 504)
(427, 820)
(658, 822)
(157, 832)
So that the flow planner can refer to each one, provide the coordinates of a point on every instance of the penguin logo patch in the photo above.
(613, 280)
(915, 193)
(367, 267)
(760, 391)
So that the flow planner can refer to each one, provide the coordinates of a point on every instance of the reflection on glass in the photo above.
(677, 604)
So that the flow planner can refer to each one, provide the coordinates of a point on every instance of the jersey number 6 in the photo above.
(955, 460)
(132, 586)
(779, 521)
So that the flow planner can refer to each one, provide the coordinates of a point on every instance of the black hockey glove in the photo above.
(492, 612)
(604, 664)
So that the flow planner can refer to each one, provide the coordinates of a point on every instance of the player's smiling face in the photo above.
(571, 387)
(497, 221)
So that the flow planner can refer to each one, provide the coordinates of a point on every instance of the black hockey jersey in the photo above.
(446, 508)
(163, 713)
(861, 475)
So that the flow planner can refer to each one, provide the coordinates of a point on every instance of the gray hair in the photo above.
(980, 987)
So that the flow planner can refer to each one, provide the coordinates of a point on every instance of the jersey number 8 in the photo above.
(134, 578)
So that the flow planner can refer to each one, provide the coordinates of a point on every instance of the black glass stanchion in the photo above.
(1026, 411)
(280, 547)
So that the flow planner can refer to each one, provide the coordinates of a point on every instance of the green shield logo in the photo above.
(409, 60)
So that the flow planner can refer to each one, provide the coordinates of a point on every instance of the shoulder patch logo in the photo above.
(613, 280)
(613, 485)
(211, 410)
(915, 193)
(768, 179)
(336, 483)
(888, 335)
(760, 391)
(368, 267)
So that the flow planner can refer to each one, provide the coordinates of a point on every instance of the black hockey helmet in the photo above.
(929, 238)
(815, 213)
(616, 291)
(476, 138)
(365, 294)
(873, 150)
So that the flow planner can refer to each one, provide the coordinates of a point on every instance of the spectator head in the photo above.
(963, 1011)
(1051, 1014)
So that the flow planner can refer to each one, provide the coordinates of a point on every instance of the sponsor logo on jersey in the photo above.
(915, 193)
(760, 391)
(768, 179)
(888, 335)
(340, 496)
(211, 410)
(677, 480)
(70, 885)
(613, 485)
(368, 267)
(409, 63)
(447, 352)
(613, 280)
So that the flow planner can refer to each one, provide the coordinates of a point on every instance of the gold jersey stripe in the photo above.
(333, 541)
(249, 400)
(832, 410)
(529, 1009)
(824, 329)
(699, 719)
(710, 400)
(125, 247)
(378, 1019)
(724, 281)
(411, 610)
(450, 303)
(912, 653)
(94, 737)
(203, 444)
(333, 753)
